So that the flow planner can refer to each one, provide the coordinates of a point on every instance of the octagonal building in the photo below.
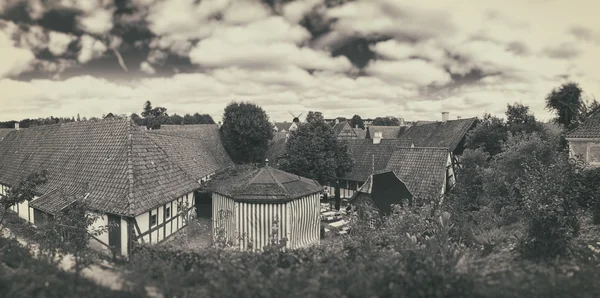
(250, 205)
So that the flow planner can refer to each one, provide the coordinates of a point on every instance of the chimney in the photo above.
(445, 116)
(16, 125)
(377, 137)
(458, 117)
(337, 120)
(287, 136)
(401, 121)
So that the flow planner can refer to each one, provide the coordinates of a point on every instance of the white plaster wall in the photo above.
(124, 237)
(143, 220)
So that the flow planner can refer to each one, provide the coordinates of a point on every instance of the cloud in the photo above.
(98, 21)
(13, 60)
(296, 10)
(91, 48)
(415, 72)
(59, 42)
(245, 11)
(147, 68)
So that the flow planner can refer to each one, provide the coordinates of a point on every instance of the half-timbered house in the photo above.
(141, 183)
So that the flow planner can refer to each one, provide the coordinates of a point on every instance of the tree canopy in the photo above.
(569, 105)
(357, 121)
(246, 132)
(314, 151)
(386, 121)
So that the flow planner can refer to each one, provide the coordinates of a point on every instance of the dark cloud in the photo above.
(63, 20)
(357, 50)
(585, 34)
(17, 13)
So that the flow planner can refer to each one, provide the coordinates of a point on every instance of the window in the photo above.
(152, 220)
(167, 212)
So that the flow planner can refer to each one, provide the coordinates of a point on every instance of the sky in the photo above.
(409, 59)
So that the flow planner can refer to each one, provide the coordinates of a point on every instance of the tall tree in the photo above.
(147, 111)
(246, 132)
(567, 103)
(78, 118)
(357, 121)
(314, 151)
(386, 121)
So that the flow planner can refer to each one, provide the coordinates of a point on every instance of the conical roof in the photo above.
(265, 184)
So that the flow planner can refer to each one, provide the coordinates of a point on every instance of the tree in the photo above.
(147, 109)
(70, 231)
(23, 191)
(519, 119)
(246, 132)
(357, 121)
(78, 118)
(314, 151)
(489, 135)
(386, 121)
(567, 103)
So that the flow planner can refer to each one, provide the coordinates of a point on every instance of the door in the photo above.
(203, 205)
(114, 232)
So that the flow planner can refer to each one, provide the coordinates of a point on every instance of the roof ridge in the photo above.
(145, 134)
(277, 181)
(130, 176)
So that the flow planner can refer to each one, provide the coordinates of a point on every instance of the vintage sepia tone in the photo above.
(299, 148)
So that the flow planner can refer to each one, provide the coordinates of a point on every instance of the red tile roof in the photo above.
(265, 184)
(590, 128)
(128, 171)
(387, 132)
(449, 134)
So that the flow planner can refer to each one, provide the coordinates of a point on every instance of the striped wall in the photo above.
(304, 221)
(251, 225)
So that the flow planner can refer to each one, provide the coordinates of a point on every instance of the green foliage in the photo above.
(314, 151)
(520, 120)
(386, 121)
(357, 121)
(246, 132)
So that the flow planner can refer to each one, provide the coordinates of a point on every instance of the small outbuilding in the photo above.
(377, 195)
(251, 205)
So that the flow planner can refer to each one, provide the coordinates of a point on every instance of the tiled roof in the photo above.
(369, 157)
(127, 170)
(387, 132)
(208, 134)
(590, 128)
(423, 170)
(4, 132)
(360, 133)
(265, 184)
(447, 134)
(58, 199)
(283, 125)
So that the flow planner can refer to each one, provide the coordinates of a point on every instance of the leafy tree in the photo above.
(357, 121)
(519, 119)
(246, 132)
(313, 151)
(567, 103)
(176, 119)
(386, 121)
(78, 118)
(23, 191)
(489, 135)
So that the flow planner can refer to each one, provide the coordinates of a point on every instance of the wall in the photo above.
(589, 149)
(304, 222)
(256, 223)
(165, 226)
(224, 217)
(101, 221)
